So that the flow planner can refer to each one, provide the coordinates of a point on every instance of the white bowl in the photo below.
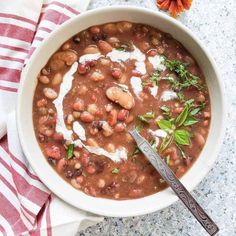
(31, 148)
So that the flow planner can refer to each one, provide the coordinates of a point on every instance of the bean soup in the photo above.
(101, 83)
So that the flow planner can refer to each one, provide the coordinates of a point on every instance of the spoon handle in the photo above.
(170, 178)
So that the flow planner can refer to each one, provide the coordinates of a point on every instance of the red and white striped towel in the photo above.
(26, 206)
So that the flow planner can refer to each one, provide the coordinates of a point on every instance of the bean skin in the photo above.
(96, 76)
(123, 114)
(199, 139)
(110, 29)
(78, 105)
(104, 46)
(86, 117)
(53, 151)
(117, 95)
(120, 127)
(50, 93)
(57, 79)
(92, 49)
(43, 79)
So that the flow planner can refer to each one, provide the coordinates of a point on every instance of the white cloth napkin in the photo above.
(27, 207)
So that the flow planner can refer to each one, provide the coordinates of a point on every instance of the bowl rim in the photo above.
(172, 198)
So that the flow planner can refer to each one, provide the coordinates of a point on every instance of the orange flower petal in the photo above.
(164, 5)
(160, 1)
(180, 6)
(173, 9)
(187, 4)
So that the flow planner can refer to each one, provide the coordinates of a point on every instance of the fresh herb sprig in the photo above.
(154, 77)
(147, 116)
(185, 78)
(70, 151)
(175, 127)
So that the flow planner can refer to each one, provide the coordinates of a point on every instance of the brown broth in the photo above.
(94, 174)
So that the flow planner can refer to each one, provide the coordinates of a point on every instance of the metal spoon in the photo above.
(170, 178)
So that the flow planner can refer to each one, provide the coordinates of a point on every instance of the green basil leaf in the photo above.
(70, 151)
(165, 125)
(182, 137)
(166, 142)
(115, 171)
(190, 121)
(182, 116)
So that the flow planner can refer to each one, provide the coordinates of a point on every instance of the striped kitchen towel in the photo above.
(26, 206)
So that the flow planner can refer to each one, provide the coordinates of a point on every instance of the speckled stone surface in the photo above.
(214, 22)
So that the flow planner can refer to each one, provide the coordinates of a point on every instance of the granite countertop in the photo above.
(215, 24)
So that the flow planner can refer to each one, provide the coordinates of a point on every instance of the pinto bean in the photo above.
(96, 75)
(74, 183)
(109, 28)
(124, 26)
(76, 154)
(94, 30)
(42, 102)
(107, 130)
(144, 46)
(92, 108)
(60, 59)
(50, 93)
(206, 114)
(120, 127)
(116, 73)
(91, 49)
(57, 79)
(91, 142)
(58, 136)
(80, 179)
(123, 98)
(56, 64)
(66, 46)
(53, 151)
(112, 118)
(201, 98)
(45, 71)
(91, 169)
(83, 69)
(82, 90)
(123, 114)
(108, 107)
(152, 52)
(78, 105)
(43, 79)
(104, 46)
(86, 117)
(199, 139)
(110, 147)
(46, 131)
(101, 183)
(113, 40)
